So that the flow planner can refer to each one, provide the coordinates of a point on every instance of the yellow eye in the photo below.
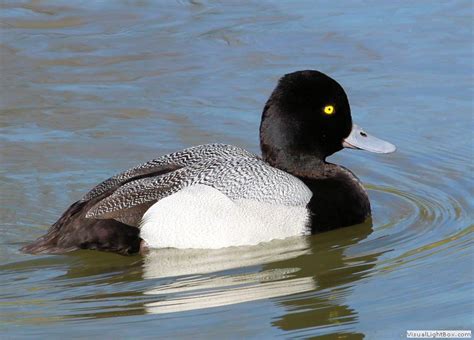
(329, 109)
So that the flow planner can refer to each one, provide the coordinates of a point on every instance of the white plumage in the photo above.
(200, 216)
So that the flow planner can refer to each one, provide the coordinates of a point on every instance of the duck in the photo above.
(219, 195)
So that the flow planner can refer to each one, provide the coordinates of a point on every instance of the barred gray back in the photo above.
(234, 171)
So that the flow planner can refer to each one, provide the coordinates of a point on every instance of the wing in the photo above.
(129, 202)
(165, 164)
(125, 197)
(242, 176)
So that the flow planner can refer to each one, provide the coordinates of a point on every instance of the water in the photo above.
(89, 88)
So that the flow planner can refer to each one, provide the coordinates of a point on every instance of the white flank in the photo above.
(201, 217)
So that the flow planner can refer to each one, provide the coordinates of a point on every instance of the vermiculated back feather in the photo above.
(165, 164)
(229, 169)
(138, 192)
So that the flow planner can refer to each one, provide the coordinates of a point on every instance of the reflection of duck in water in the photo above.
(305, 276)
(214, 196)
(324, 268)
(336, 262)
(206, 278)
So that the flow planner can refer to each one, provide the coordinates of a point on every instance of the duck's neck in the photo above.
(338, 200)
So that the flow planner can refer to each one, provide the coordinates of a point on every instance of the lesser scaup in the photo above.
(218, 195)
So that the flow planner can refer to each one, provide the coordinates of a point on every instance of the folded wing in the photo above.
(238, 176)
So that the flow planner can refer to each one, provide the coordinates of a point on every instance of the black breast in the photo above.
(339, 200)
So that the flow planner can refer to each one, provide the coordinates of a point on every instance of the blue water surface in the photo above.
(89, 88)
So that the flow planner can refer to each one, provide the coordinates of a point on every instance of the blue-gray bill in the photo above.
(359, 139)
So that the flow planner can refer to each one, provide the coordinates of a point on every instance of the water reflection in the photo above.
(335, 273)
(308, 276)
(234, 275)
(176, 262)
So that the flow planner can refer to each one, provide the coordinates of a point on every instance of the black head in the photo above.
(308, 114)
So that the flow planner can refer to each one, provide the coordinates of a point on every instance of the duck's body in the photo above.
(218, 195)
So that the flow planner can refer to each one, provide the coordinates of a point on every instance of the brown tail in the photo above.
(46, 244)
(74, 231)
